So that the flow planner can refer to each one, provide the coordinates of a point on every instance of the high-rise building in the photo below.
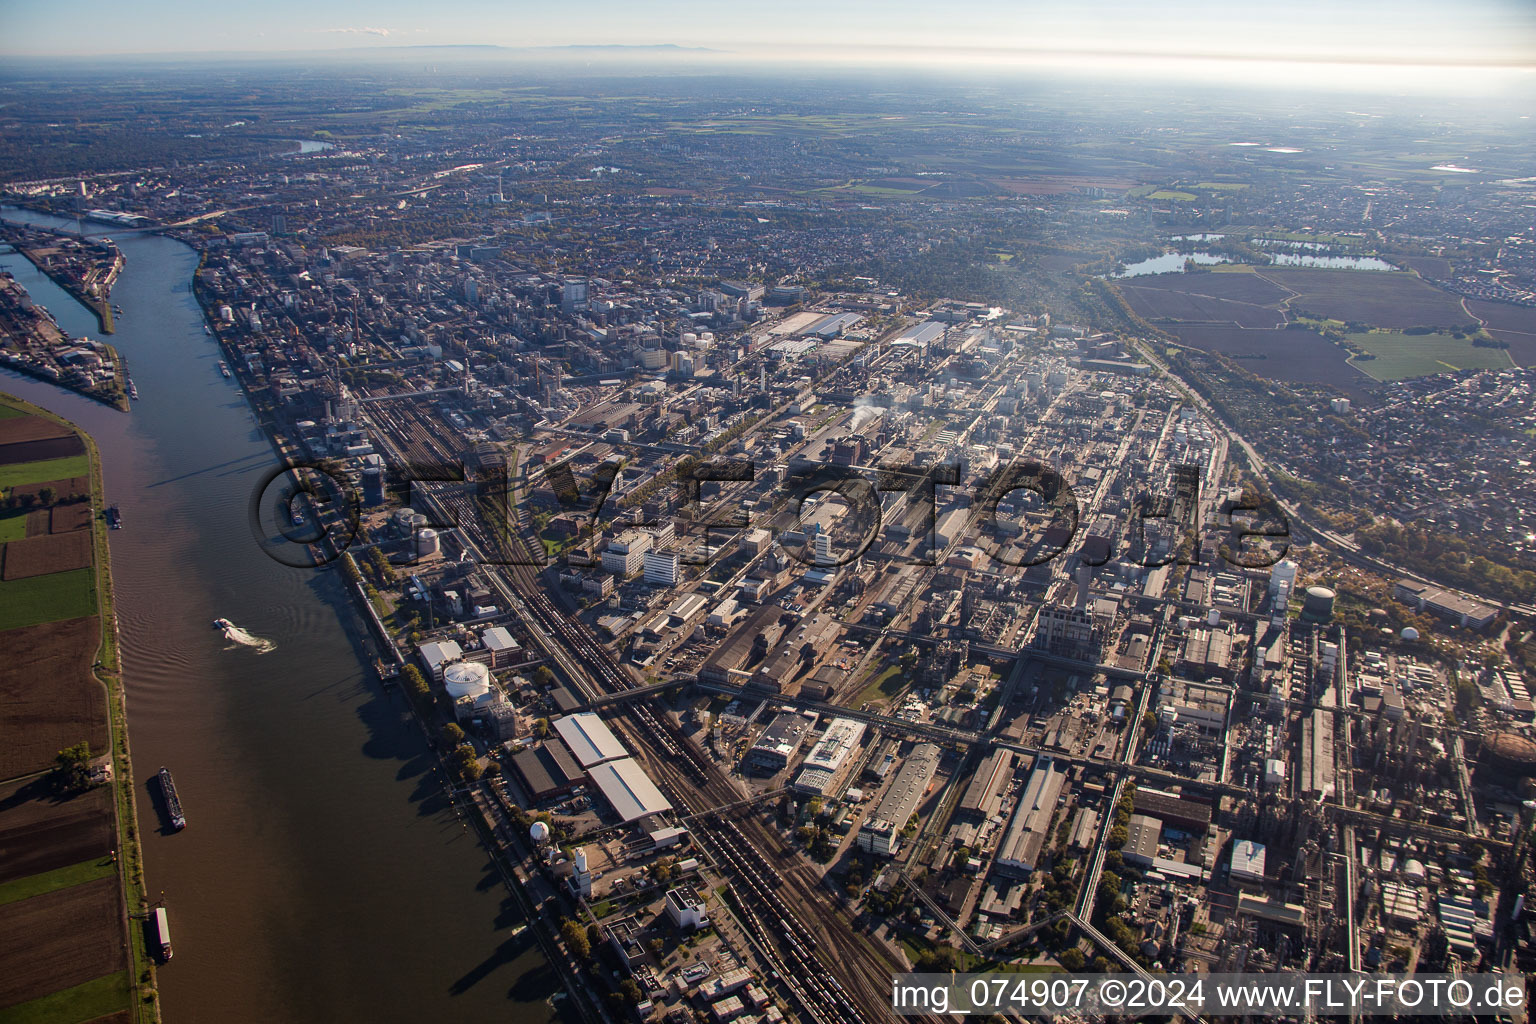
(661, 568)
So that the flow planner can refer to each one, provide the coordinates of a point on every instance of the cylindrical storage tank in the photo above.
(689, 337)
(467, 679)
(418, 521)
(1213, 617)
(402, 520)
(1317, 606)
(427, 543)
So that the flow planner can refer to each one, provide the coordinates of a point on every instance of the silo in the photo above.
(1317, 606)
(427, 543)
(467, 679)
(1213, 617)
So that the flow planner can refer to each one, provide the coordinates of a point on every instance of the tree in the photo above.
(465, 763)
(47, 495)
(631, 992)
(544, 676)
(1073, 959)
(576, 940)
(452, 735)
(72, 773)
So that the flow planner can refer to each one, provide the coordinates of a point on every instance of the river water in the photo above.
(322, 875)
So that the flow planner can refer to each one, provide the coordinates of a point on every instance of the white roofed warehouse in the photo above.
(589, 738)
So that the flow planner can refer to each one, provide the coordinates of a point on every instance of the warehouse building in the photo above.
(777, 744)
(881, 831)
(589, 738)
(628, 790)
(1030, 828)
(984, 795)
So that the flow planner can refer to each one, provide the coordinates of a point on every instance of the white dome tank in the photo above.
(427, 543)
(538, 832)
(467, 679)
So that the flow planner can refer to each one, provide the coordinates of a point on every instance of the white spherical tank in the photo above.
(427, 543)
(1410, 634)
(467, 679)
(539, 832)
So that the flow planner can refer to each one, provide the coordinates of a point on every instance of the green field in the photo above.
(1182, 197)
(1400, 356)
(6, 412)
(95, 998)
(59, 878)
(50, 598)
(13, 526)
(43, 470)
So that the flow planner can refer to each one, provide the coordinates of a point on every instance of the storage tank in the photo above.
(538, 832)
(1317, 606)
(1213, 617)
(467, 679)
(1410, 634)
(402, 520)
(427, 543)
(581, 861)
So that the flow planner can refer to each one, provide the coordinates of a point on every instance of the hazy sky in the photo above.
(1432, 31)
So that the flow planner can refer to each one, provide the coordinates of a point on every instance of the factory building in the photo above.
(628, 790)
(881, 831)
(777, 744)
(821, 766)
(589, 739)
(983, 797)
(1317, 765)
(1030, 828)
(1141, 837)
(1248, 862)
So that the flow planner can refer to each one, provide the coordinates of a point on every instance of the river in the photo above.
(322, 876)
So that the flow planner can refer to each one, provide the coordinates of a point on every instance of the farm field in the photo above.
(1391, 300)
(13, 526)
(59, 940)
(1168, 305)
(39, 833)
(93, 1001)
(20, 426)
(1513, 325)
(1291, 356)
(40, 599)
(19, 473)
(40, 721)
(42, 556)
(1400, 356)
(42, 449)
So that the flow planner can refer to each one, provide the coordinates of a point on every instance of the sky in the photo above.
(1459, 32)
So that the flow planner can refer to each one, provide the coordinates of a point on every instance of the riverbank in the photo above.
(86, 270)
(33, 343)
(63, 902)
(309, 788)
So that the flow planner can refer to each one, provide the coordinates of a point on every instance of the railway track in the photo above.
(763, 893)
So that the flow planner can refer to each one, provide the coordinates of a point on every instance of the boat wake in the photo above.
(238, 637)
